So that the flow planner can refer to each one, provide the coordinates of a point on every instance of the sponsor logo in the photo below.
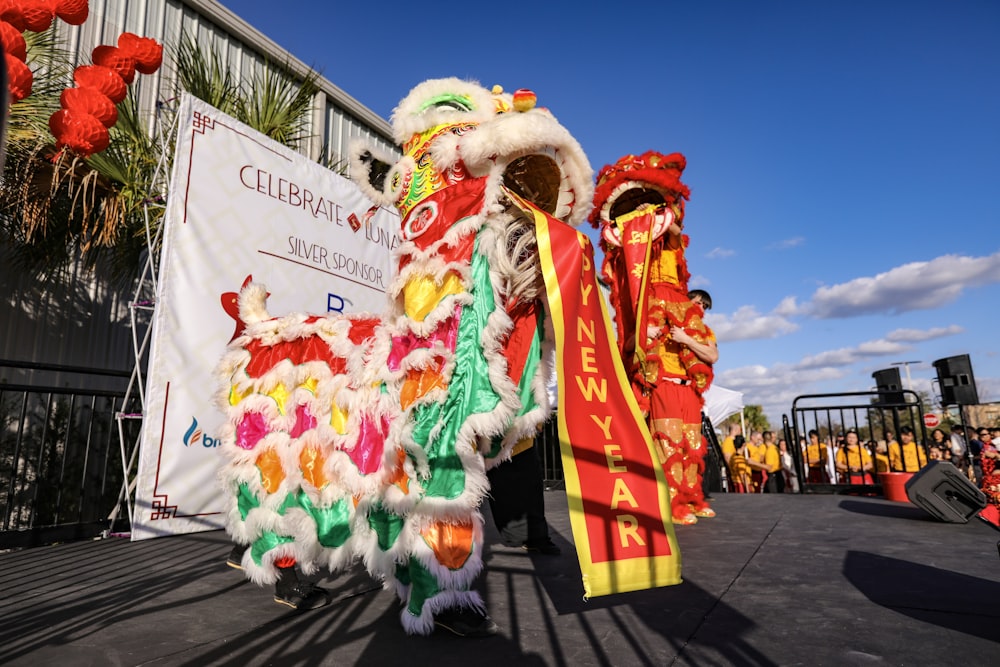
(194, 436)
(336, 303)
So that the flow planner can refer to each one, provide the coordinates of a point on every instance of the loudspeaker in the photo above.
(958, 386)
(941, 490)
(888, 381)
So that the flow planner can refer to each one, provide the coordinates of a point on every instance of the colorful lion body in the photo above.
(369, 436)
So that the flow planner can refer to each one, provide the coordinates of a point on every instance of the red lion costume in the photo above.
(639, 206)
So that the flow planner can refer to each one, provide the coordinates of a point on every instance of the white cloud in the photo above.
(918, 336)
(775, 388)
(748, 324)
(788, 243)
(846, 356)
(913, 286)
(720, 253)
(788, 307)
(698, 281)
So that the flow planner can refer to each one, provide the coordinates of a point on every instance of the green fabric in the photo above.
(386, 525)
(333, 524)
(469, 392)
(269, 540)
(245, 500)
(423, 586)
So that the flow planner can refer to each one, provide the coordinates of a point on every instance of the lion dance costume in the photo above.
(637, 201)
(369, 436)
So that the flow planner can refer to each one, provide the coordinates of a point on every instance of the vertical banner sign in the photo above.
(618, 497)
(241, 207)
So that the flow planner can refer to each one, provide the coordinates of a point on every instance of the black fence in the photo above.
(876, 417)
(60, 458)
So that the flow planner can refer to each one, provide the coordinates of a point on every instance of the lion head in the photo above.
(635, 182)
(464, 143)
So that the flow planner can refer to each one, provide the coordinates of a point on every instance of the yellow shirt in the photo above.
(741, 471)
(756, 453)
(912, 459)
(881, 463)
(728, 447)
(772, 458)
(816, 455)
(851, 459)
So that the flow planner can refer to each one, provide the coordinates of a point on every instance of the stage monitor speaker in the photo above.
(889, 385)
(941, 490)
(958, 385)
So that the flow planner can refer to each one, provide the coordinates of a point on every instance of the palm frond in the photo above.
(205, 75)
(275, 103)
(55, 206)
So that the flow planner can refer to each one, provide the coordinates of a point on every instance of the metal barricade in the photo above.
(827, 466)
(60, 469)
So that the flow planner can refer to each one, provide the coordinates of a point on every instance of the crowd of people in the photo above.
(765, 463)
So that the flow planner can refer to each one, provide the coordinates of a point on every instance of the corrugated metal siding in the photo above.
(77, 318)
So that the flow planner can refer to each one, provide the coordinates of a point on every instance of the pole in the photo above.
(906, 365)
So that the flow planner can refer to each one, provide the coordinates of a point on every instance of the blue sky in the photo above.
(842, 155)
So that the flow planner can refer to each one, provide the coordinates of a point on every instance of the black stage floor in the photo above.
(773, 580)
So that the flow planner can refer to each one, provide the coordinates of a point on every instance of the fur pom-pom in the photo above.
(253, 303)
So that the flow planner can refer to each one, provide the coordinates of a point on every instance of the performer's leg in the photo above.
(667, 428)
(294, 592)
(510, 486)
(695, 471)
(517, 502)
(235, 559)
(435, 582)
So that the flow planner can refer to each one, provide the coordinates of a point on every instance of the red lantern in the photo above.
(89, 101)
(103, 79)
(10, 11)
(19, 78)
(13, 41)
(38, 14)
(82, 133)
(73, 12)
(148, 53)
(116, 59)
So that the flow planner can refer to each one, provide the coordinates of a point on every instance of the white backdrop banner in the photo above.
(240, 205)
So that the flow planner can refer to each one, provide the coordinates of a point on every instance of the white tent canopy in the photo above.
(720, 403)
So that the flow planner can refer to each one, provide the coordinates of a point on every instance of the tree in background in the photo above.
(754, 419)
(56, 206)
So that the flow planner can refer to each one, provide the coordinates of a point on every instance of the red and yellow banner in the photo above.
(618, 497)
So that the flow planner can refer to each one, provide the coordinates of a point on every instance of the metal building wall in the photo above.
(77, 318)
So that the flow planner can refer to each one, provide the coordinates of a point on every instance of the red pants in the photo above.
(675, 422)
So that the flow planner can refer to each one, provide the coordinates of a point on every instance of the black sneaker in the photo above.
(303, 596)
(466, 622)
(548, 548)
(235, 559)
